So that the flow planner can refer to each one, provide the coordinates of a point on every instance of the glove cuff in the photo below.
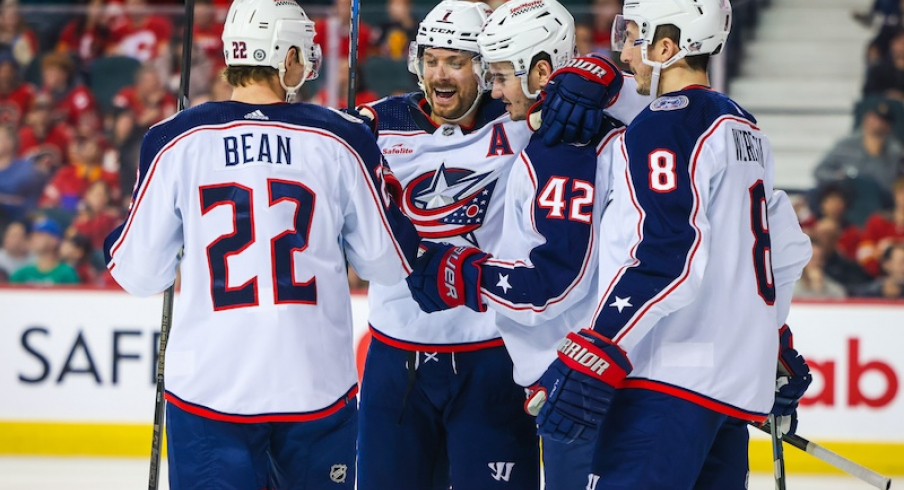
(534, 114)
(582, 352)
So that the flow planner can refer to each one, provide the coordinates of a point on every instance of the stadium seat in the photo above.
(109, 75)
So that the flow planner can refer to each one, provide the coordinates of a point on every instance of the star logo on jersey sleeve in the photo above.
(621, 303)
(504, 283)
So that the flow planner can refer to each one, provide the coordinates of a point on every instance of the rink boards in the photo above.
(77, 376)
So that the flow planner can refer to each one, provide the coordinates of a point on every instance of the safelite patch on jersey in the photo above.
(669, 103)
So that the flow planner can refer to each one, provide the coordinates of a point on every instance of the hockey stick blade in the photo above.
(859, 471)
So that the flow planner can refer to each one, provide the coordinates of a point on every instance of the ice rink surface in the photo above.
(19, 473)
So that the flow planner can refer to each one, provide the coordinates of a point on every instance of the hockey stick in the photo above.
(166, 320)
(778, 455)
(353, 53)
(834, 459)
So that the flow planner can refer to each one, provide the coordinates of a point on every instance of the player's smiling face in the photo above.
(507, 87)
(450, 84)
(632, 56)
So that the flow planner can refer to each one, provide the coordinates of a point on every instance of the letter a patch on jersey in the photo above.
(499, 144)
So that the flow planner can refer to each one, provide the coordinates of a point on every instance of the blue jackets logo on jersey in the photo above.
(669, 103)
(449, 202)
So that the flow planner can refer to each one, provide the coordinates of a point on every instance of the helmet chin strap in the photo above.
(658, 66)
(291, 92)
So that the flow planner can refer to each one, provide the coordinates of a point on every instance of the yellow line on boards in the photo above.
(882, 457)
(76, 439)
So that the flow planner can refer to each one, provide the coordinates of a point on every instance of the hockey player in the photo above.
(542, 284)
(685, 324)
(266, 198)
(438, 403)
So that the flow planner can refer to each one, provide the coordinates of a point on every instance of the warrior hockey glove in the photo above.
(446, 276)
(574, 394)
(575, 98)
(791, 384)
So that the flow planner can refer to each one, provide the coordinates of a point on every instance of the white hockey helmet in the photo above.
(452, 24)
(261, 32)
(704, 25)
(520, 29)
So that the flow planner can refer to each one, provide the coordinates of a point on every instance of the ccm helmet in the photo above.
(452, 24)
(261, 32)
(520, 29)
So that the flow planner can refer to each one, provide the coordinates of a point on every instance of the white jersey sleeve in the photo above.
(628, 104)
(791, 250)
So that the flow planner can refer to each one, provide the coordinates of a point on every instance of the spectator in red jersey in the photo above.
(148, 98)
(67, 188)
(16, 34)
(363, 95)
(96, 216)
(41, 135)
(140, 34)
(604, 12)
(69, 97)
(882, 230)
(339, 20)
(20, 180)
(75, 250)
(86, 38)
(16, 96)
(207, 33)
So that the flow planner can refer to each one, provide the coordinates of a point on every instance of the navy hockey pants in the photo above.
(316, 455)
(429, 420)
(653, 441)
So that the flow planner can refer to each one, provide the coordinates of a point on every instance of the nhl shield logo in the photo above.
(338, 473)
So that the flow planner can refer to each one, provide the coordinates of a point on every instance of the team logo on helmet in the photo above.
(449, 202)
(259, 54)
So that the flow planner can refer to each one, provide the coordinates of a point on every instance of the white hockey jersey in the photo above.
(685, 269)
(454, 182)
(265, 199)
(544, 283)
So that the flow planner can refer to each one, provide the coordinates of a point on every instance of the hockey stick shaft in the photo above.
(166, 320)
(861, 472)
(778, 455)
(353, 53)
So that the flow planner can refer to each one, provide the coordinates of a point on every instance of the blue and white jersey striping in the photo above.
(454, 182)
(685, 270)
(264, 199)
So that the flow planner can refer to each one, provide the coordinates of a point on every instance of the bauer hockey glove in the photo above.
(575, 98)
(446, 276)
(576, 390)
(791, 383)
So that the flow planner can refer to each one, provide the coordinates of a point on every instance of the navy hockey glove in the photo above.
(446, 276)
(366, 115)
(792, 381)
(575, 98)
(576, 390)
